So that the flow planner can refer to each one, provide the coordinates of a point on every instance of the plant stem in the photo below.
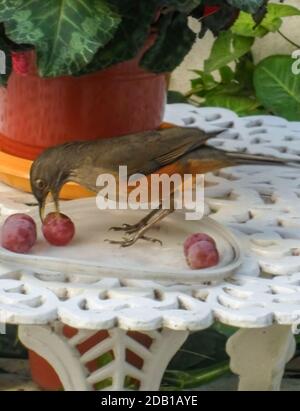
(196, 354)
(289, 40)
(194, 378)
(193, 91)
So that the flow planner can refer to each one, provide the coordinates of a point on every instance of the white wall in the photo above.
(271, 44)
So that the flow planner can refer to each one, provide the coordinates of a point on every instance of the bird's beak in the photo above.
(56, 201)
(42, 204)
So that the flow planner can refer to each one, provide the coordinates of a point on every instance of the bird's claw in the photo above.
(152, 240)
(123, 227)
(117, 242)
(127, 242)
(127, 228)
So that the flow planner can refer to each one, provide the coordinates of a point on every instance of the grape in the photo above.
(202, 254)
(19, 233)
(194, 238)
(58, 229)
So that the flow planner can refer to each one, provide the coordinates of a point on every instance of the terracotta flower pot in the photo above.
(44, 375)
(36, 113)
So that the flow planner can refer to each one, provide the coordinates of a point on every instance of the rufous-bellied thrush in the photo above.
(171, 150)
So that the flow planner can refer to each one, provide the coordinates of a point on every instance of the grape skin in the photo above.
(202, 254)
(58, 229)
(194, 238)
(19, 233)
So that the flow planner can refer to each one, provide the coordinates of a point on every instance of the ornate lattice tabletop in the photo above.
(262, 207)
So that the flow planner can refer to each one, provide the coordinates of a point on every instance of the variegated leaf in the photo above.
(65, 33)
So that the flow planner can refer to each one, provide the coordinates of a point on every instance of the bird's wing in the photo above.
(147, 152)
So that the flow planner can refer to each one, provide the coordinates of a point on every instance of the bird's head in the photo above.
(49, 172)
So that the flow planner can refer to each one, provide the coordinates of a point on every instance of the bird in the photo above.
(168, 150)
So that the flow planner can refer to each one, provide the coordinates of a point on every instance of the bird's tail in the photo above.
(208, 159)
(245, 158)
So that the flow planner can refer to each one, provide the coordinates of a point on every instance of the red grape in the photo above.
(194, 238)
(202, 254)
(58, 229)
(19, 233)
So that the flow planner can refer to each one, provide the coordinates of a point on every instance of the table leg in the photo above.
(132, 360)
(259, 356)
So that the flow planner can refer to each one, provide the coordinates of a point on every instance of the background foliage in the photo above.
(230, 78)
(74, 37)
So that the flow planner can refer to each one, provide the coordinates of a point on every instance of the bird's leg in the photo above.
(157, 215)
(133, 228)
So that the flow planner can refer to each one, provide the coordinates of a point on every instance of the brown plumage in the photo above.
(171, 150)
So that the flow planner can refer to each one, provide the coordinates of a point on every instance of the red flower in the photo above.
(208, 10)
(20, 62)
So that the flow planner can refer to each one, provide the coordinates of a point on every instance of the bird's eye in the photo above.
(40, 184)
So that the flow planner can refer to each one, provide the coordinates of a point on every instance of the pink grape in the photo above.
(58, 229)
(194, 238)
(202, 254)
(19, 233)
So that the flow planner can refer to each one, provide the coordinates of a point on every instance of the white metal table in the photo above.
(260, 204)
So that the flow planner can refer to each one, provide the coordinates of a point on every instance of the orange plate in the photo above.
(14, 171)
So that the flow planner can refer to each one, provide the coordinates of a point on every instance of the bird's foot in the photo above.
(127, 242)
(128, 228)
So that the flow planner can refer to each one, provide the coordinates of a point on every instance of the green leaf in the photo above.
(201, 349)
(249, 6)
(273, 20)
(65, 33)
(227, 48)
(197, 82)
(223, 329)
(244, 72)
(208, 81)
(227, 74)
(185, 6)
(231, 89)
(245, 25)
(181, 380)
(5, 61)
(167, 52)
(176, 97)
(277, 87)
(130, 37)
(241, 105)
